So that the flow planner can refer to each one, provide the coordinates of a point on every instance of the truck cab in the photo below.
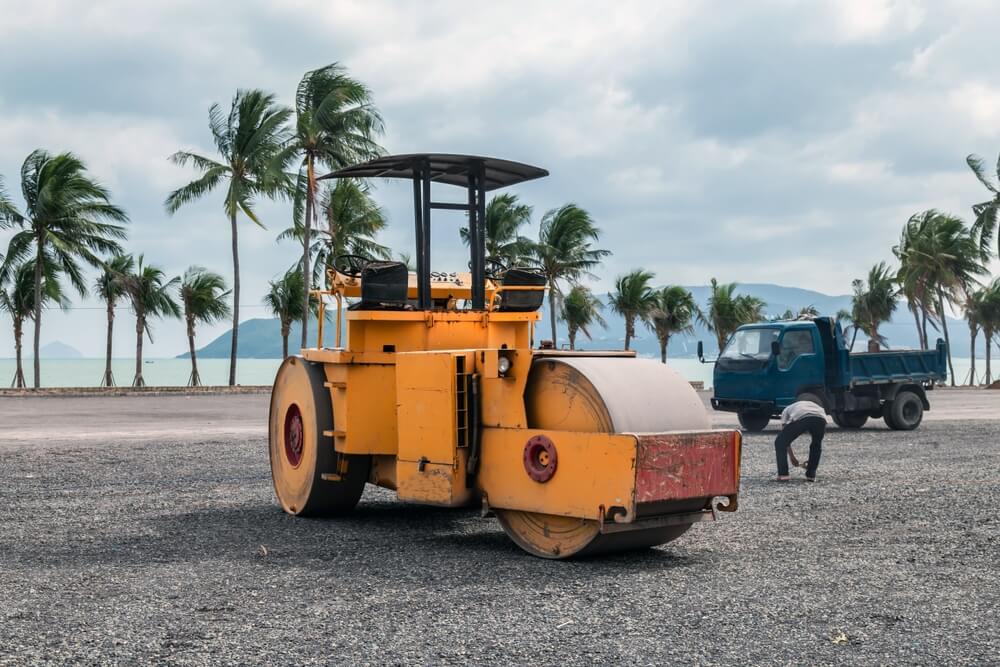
(767, 366)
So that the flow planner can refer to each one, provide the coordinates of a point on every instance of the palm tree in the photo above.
(728, 311)
(674, 313)
(68, 218)
(203, 296)
(910, 276)
(976, 307)
(873, 303)
(579, 310)
(353, 220)
(110, 287)
(633, 299)
(336, 125)
(283, 302)
(946, 257)
(986, 212)
(505, 215)
(19, 300)
(8, 212)
(249, 140)
(151, 295)
(989, 319)
(564, 250)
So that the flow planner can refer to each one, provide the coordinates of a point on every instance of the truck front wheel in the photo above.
(905, 412)
(850, 419)
(755, 422)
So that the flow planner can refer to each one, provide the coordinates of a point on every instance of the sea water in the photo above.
(175, 372)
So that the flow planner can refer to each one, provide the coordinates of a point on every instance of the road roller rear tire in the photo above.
(600, 395)
(299, 452)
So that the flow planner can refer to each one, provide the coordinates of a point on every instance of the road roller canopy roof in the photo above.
(477, 174)
(444, 168)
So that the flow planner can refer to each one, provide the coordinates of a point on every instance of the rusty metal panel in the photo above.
(675, 466)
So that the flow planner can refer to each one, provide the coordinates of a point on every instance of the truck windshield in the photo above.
(750, 344)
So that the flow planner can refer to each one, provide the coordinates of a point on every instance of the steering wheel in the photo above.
(351, 265)
(493, 268)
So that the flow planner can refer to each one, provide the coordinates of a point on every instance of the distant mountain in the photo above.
(59, 350)
(261, 338)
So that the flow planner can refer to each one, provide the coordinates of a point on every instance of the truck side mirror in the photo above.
(701, 352)
(775, 348)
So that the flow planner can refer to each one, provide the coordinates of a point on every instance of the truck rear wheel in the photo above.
(850, 419)
(905, 412)
(752, 421)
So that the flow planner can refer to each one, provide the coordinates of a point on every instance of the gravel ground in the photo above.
(174, 551)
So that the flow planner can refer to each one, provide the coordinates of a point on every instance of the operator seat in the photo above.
(521, 301)
(383, 287)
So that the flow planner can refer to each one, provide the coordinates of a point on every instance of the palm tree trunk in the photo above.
(916, 319)
(19, 371)
(109, 378)
(307, 229)
(140, 326)
(663, 349)
(195, 379)
(972, 358)
(236, 300)
(944, 329)
(988, 332)
(924, 343)
(285, 330)
(572, 338)
(552, 310)
(38, 312)
(629, 327)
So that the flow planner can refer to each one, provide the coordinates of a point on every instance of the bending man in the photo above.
(799, 418)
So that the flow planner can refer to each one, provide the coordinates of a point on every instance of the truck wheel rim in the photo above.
(910, 411)
(294, 436)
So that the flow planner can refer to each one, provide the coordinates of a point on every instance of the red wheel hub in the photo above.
(294, 436)
(540, 459)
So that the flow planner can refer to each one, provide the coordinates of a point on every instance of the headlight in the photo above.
(503, 365)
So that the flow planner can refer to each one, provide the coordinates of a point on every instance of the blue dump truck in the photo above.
(765, 367)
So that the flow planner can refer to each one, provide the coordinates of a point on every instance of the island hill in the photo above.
(260, 338)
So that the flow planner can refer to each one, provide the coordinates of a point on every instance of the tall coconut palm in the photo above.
(505, 216)
(873, 303)
(946, 259)
(249, 140)
(283, 302)
(975, 314)
(18, 299)
(989, 320)
(336, 125)
(914, 287)
(351, 222)
(203, 296)
(110, 287)
(674, 312)
(728, 311)
(565, 251)
(151, 294)
(580, 309)
(986, 212)
(633, 299)
(68, 219)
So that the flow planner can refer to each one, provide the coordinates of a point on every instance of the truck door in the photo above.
(799, 365)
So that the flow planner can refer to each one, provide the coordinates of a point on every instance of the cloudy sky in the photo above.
(778, 141)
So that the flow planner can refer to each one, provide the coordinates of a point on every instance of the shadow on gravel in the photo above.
(375, 535)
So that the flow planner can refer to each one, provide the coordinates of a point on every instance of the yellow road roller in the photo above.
(438, 391)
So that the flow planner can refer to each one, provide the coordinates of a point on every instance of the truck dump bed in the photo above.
(899, 366)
